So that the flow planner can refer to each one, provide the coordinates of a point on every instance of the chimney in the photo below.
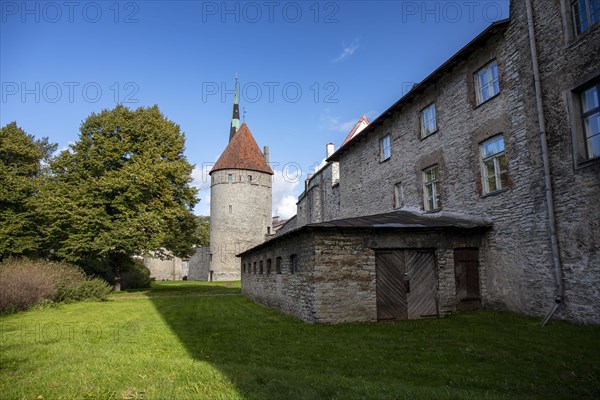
(266, 154)
(330, 150)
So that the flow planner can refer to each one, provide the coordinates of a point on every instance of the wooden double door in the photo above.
(406, 284)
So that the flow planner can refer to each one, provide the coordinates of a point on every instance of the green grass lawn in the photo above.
(191, 340)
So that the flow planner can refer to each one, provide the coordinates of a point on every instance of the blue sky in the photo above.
(308, 70)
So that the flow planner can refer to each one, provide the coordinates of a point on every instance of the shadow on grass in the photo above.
(475, 355)
(182, 288)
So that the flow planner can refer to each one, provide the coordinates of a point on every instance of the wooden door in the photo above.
(421, 287)
(466, 272)
(406, 284)
(391, 296)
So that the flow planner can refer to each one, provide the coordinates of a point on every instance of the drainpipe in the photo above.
(558, 275)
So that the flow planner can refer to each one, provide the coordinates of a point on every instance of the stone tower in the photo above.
(240, 200)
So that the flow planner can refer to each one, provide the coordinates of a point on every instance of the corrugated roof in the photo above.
(397, 220)
(462, 54)
(242, 152)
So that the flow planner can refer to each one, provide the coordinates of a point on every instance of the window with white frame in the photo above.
(385, 147)
(590, 119)
(428, 120)
(431, 188)
(493, 165)
(229, 177)
(486, 82)
(585, 14)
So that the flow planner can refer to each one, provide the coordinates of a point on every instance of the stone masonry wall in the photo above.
(320, 201)
(568, 63)
(336, 280)
(164, 270)
(517, 251)
(292, 293)
(199, 264)
(241, 217)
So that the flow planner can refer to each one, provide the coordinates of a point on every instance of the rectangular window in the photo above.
(428, 120)
(493, 165)
(249, 178)
(278, 265)
(385, 147)
(431, 188)
(229, 177)
(293, 264)
(398, 195)
(486, 82)
(590, 119)
(269, 266)
(230, 209)
(585, 14)
(260, 267)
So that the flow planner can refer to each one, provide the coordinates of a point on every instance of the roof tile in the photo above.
(242, 152)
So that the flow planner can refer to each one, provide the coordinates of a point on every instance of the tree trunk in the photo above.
(119, 261)
(117, 282)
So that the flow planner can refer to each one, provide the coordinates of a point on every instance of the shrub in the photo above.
(136, 276)
(74, 285)
(25, 283)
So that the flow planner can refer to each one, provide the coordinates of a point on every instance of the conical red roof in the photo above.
(242, 152)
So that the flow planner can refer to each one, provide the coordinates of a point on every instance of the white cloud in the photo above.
(348, 51)
(333, 123)
(285, 183)
(347, 126)
(67, 147)
(286, 207)
(201, 180)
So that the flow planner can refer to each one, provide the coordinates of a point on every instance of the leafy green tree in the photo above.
(203, 230)
(122, 189)
(22, 161)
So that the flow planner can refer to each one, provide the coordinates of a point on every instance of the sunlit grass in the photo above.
(178, 342)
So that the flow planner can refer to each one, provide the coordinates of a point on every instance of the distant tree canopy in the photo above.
(122, 189)
(203, 230)
(22, 169)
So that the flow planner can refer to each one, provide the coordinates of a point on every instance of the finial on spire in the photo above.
(235, 119)
(244, 114)
(235, 91)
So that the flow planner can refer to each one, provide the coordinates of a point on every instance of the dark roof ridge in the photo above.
(491, 30)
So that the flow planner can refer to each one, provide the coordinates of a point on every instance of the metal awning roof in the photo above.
(403, 219)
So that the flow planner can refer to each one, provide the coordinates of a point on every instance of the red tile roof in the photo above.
(242, 152)
(353, 131)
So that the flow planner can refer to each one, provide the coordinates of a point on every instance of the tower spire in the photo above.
(235, 119)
